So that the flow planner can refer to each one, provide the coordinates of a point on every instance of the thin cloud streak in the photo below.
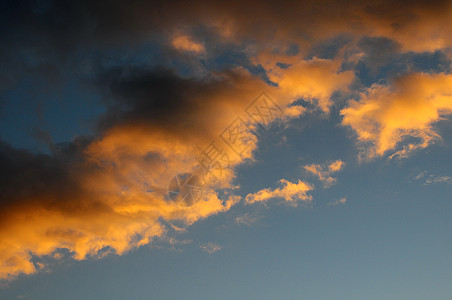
(210, 247)
(337, 202)
(292, 193)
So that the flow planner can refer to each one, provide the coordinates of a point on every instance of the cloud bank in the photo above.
(107, 191)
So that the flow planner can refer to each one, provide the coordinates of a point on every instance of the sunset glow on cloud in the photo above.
(323, 172)
(290, 192)
(410, 107)
(184, 43)
(147, 141)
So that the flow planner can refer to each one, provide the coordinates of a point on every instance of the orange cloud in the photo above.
(294, 111)
(387, 117)
(290, 192)
(324, 171)
(315, 80)
(110, 194)
(113, 195)
(113, 191)
(416, 26)
(186, 43)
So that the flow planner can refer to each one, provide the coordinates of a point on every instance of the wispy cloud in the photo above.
(104, 191)
(289, 191)
(246, 219)
(314, 80)
(337, 202)
(99, 193)
(429, 179)
(171, 244)
(186, 43)
(210, 247)
(323, 171)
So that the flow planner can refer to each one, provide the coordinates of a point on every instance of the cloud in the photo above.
(433, 179)
(438, 179)
(290, 192)
(323, 171)
(337, 202)
(315, 80)
(293, 111)
(108, 192)
(246, 219)
(64, 29)
(185, 43)
(210, 247)
(399, 118)
(170, 243)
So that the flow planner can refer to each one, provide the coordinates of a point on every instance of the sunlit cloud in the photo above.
(323, 171)
(186, 43)
(292, 193)
(315, 80)
(108, 192)
(399, 118)
(294, 111)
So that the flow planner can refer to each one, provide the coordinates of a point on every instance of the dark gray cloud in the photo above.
(27, 178)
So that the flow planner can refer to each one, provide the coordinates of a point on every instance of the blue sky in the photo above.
(345, 193)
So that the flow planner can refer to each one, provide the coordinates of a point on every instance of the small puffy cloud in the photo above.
(293, 111)
(399, 118)
(186, 43)
(323, 171)
(210, 247)
(289, 191)
(337, 202)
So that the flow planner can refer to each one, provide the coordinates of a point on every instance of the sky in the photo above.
(225, 150)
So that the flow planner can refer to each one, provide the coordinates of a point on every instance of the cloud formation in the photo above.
(337, 202)
(429, 179)
(185, 43)
(289, 31)
(291, 192)
(315, 80)
(323, 171)
(107, 191)
(210, 247)
(399, 118)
